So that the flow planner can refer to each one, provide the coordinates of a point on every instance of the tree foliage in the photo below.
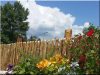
(34, 38)
(13, 22)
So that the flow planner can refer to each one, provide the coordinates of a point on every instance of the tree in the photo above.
(34, 38)
(13, 22)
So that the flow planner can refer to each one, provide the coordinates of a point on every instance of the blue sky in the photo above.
(82, 10)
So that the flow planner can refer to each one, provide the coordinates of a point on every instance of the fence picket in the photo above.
(10, 53)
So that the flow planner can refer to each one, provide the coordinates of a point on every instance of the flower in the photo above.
(74, 64)
(10, 66)
(9, 69)
(42, 64)
(52, 62)
(57, 58)
(87, 24)
(90, 32)
(80, 37)
(61, 68)
(82, 60)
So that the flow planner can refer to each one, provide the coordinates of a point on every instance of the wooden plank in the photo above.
(11, 52)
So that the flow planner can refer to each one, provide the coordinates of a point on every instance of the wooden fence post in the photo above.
(68, 35)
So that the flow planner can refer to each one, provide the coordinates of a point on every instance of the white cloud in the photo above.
(76, 29)
(46, 19)
(86, 24)
(79, 28)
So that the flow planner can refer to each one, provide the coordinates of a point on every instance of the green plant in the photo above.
(88, 45)
(26, 64)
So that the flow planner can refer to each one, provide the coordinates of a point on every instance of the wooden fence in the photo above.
(10, 53)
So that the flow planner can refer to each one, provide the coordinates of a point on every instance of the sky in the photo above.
(49, 19)
(82, 10)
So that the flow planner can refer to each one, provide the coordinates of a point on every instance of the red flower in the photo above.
(79, 37)
(90, 32)
(82, 60)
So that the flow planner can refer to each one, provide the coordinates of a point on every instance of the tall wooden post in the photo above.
(68, 35)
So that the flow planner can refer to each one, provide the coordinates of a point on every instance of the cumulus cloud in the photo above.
(77, 29)
(46, 19)
(46, 22)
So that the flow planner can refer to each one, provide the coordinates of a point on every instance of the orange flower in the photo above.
(58, 58)
(52, 60)
(42, 64)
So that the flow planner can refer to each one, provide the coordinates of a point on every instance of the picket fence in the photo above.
(10, 53)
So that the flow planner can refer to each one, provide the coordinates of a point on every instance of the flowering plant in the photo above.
(55, 65)
(85, 50)
(9, 69)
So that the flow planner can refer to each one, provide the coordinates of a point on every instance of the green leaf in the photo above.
(28, 63)
(32, 73)
(22, 71)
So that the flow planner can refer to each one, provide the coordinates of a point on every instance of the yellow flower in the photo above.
(56, 59)
(58, 56)
(52, 60)
(45, 63)
(42, 64)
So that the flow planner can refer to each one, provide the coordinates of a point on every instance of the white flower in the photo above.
(61, 68)
(74, 64)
